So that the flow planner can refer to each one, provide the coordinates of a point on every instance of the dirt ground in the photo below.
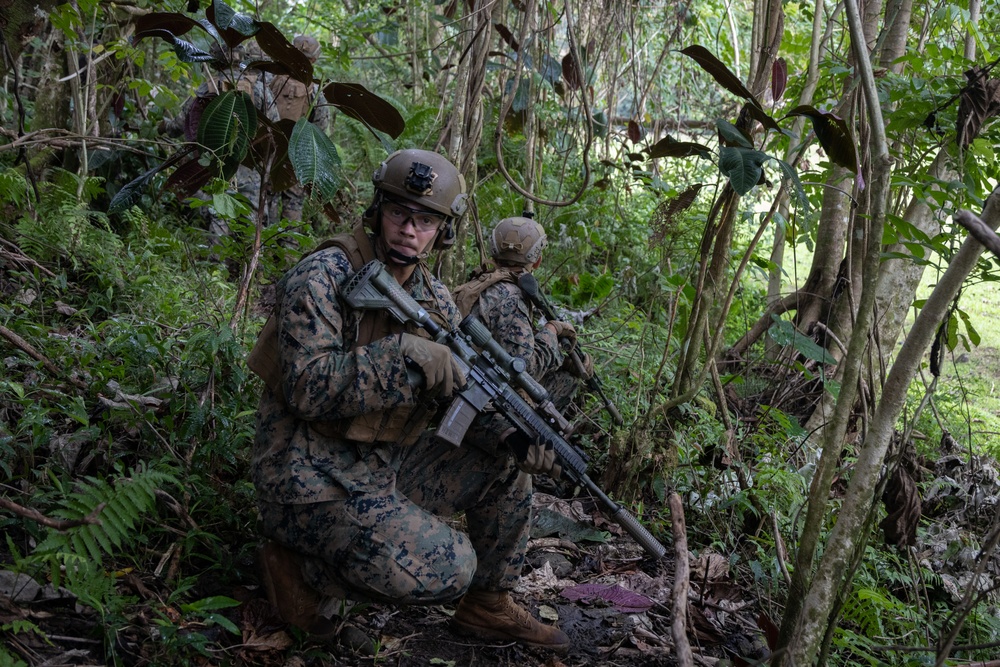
(611, 599)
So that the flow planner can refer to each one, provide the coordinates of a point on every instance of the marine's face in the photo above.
(409, 229)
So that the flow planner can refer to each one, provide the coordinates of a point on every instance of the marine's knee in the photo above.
(425, 574)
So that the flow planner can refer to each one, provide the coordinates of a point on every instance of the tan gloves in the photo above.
(435, 360)
(562, 329)
(533, 457)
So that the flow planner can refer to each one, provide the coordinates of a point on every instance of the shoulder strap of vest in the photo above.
(467, 295)
(263, 358)
(356, 245)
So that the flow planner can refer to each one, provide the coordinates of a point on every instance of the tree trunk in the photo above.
(851, 365)
(470, 128)
(860, 491)
(21, 21)
(717, 239)
(900, 278)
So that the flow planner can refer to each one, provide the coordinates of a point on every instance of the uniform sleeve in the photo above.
(321, 112)
(324, 377)
(506, 315)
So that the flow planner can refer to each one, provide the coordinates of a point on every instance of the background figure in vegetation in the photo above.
(493, 295)
(353, 501)
(232, 75)
(295, 100)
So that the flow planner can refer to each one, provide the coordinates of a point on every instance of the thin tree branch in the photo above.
(682, 572)
(57, 524)
(28, 349)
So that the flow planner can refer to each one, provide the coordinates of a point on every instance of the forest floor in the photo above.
(596, 584)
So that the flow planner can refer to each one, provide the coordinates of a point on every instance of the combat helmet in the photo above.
(424, 178)
(308, 45)
(517, 240)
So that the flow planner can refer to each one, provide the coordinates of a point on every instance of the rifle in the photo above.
(529, 285)
(489, 375)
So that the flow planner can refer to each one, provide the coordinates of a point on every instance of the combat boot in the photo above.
(495, 615)
(297, 603)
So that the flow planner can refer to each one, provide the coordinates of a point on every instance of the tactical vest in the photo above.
(467, 295)
(291, 97)
(401, 425)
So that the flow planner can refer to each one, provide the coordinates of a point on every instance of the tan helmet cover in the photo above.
(307, 45)
(425, 178)
(517, 240)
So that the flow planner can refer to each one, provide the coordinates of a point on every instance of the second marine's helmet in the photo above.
(517, 240)
(424, 178)
(308, 46)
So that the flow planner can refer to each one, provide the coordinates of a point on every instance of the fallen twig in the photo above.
(15, 255)
(680, 592)
(58, 524)
(27, 348)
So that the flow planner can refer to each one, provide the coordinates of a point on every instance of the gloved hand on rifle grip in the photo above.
(562, 329)
(435, 361)
(533, 456)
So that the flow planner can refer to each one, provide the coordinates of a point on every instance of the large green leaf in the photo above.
(227, 125)
(227, 18)
(189, 178)
(274, 43)
(233, 26)
(157, 23)
(742, 166)
(731, 134)
(130, 192)
(718, 70)
(185, 51)
(784, 333)
(314, 158)
(670, 147)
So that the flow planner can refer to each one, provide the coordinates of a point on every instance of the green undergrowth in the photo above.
(127, 412)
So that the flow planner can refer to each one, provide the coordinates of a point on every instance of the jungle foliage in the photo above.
(710, 179)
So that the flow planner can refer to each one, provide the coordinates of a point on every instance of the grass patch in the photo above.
(966, 401)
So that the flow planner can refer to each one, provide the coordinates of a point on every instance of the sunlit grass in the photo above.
(966, 400)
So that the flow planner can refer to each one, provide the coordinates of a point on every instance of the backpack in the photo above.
(291, 97)
(466, 295)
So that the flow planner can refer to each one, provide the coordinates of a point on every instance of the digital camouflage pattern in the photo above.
(373, 517)
(249, 81)
(389, 539)
(507, 314)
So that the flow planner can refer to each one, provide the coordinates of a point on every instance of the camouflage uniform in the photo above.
(186, 123)
(372, 517)
(505, 312)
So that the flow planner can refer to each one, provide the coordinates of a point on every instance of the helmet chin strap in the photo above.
(398, 257)
(408, 260)
(392, 253)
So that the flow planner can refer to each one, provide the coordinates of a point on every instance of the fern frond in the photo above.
(125, 502)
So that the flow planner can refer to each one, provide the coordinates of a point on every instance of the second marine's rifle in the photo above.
(529, 285)
(490, 372)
